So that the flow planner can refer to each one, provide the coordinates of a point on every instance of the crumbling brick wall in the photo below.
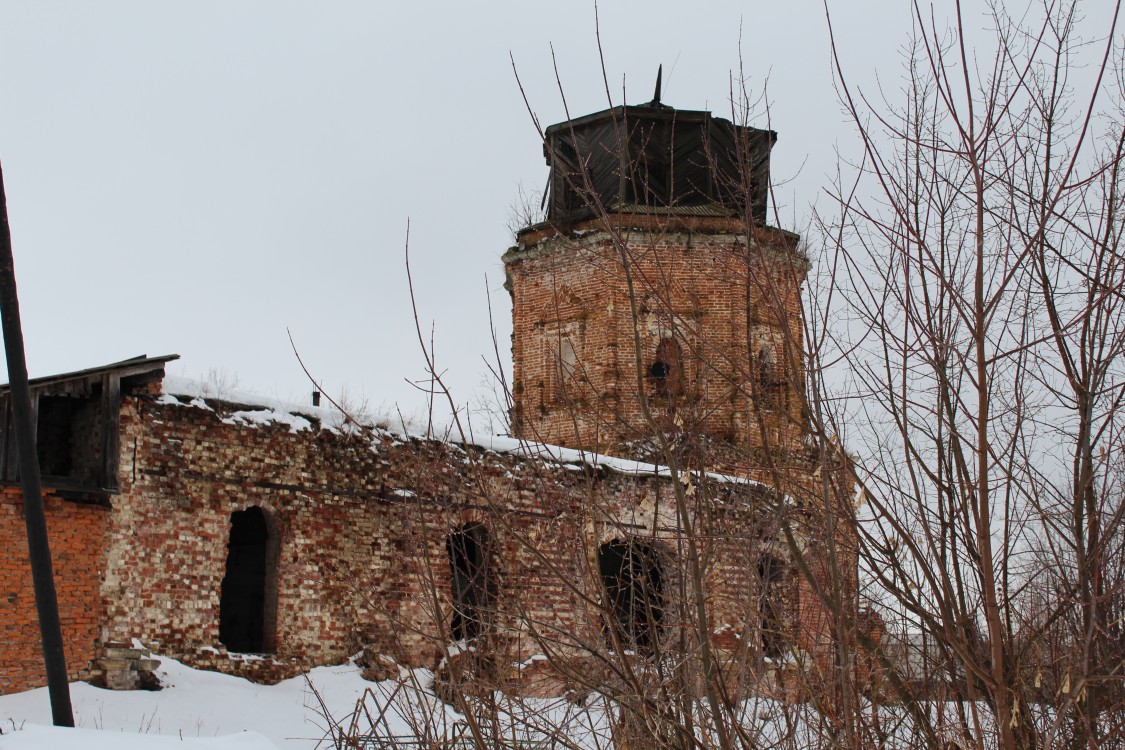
(362, 525)
(184, 472)
(76, 534)
(702, 316)
(731, 306)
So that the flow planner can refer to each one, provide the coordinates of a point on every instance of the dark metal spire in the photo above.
(656, 96)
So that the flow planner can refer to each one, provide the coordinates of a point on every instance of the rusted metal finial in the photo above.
(656, 96)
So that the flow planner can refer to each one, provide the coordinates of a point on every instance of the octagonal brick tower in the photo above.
(654, 298)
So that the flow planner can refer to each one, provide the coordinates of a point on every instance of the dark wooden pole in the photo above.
(50, 629)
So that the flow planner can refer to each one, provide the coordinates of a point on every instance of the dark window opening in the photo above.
(248, 602)
(472, 583)
(764, 357)
(634, 585)
(771, 366)
(769, 609)
(68, 438)
(666, 372)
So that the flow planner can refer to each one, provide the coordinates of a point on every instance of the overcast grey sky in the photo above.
(196, 178)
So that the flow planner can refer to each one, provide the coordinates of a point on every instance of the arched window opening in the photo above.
(248, 599)
(666, 371)
(634, 585)
(770, 573)
(472, 581)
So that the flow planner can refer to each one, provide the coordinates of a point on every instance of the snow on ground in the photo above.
(200, 710)
(37, 737)
(207, 710)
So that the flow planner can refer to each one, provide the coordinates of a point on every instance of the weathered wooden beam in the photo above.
(111, 427)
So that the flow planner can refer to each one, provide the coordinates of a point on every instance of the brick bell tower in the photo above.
(655, 309)
(654, 298)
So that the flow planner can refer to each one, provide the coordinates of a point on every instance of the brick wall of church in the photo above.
(706, 322)
(362, 528)
(76, 534)
(361, 561)
(732, 310)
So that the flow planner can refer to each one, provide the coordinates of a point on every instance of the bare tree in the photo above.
(695, 608)
(975, 271)
(962, 337)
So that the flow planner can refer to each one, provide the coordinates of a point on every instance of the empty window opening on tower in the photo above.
(771, 356)
(568, 362)
(769, 607)
(472, 581)
(666, 371)
(634, 586)
(248, 602)
(563, 347)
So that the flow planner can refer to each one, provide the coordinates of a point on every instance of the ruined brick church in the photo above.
(659, 487)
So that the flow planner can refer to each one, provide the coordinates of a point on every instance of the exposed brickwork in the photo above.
(362, 531)
(360, 526)
(184, 472)
(731, 305)
(357, 525)
(77, 537)
(700, 320)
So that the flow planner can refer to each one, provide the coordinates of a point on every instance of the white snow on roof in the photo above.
(199, 392)
(297, 416)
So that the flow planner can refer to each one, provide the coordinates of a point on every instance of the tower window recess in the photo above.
(634, 586)
(563, 347)
(472, 580)
(248, 601)
(666, 371)
(767, 365)
(568, 361)
(772, 360)
(770, 573)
